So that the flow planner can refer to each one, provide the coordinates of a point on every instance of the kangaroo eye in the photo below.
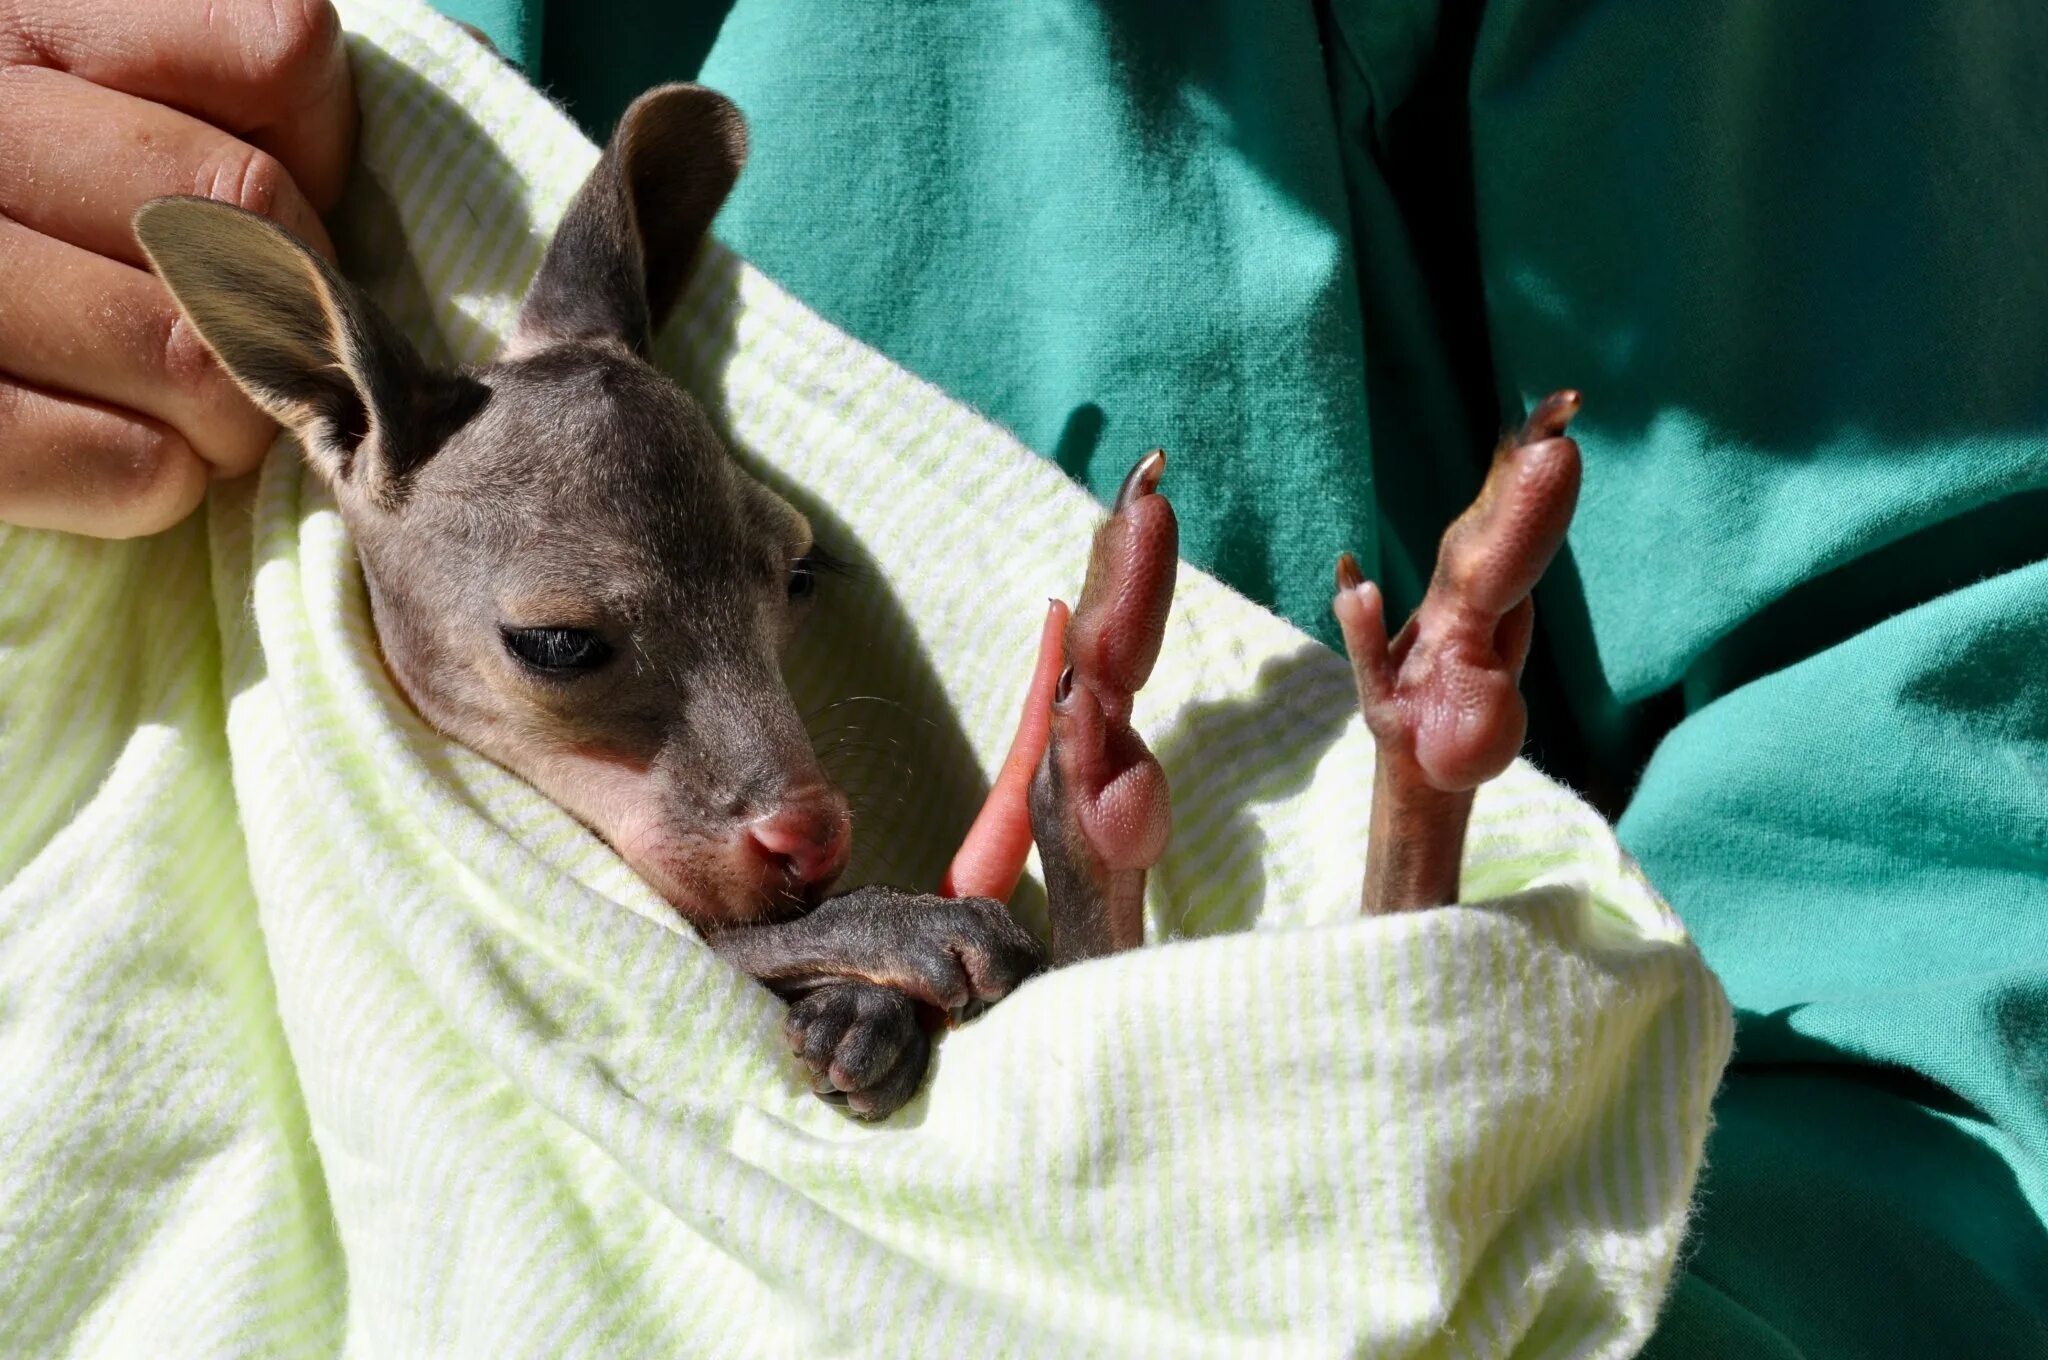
(805, 570)
(559, 651)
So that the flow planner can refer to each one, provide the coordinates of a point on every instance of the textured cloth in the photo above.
(1791, 253)
(323, 1036)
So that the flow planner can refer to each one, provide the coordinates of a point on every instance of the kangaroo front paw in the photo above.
(865, 1046)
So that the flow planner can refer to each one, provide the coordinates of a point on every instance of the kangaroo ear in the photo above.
(622, 254)
(306, 347)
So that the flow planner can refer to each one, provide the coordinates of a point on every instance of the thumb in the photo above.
(991, 857)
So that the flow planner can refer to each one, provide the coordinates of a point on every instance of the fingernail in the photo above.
(1551, 416)
(1349, 577)
(1143, 479)
(479, 35)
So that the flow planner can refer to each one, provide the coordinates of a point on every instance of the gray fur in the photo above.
(569, 484)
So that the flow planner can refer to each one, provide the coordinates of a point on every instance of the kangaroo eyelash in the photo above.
(557, 651)
(819, 560)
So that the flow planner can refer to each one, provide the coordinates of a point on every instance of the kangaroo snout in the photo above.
(806, 841)
(772, 861)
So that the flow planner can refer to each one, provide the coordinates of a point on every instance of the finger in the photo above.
(991, 857)
(77, 160)
(869, 1049)
(825, 1023)
(273, 72)
(893, 1092)
(1498, 549)
(79, 324)
(1120, 622)
(89, 469)
(1362, 617)
(1079, 740)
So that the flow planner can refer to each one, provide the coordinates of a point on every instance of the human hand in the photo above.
(113, 415)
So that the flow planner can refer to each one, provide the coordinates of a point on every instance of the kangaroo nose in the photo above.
(810, 835)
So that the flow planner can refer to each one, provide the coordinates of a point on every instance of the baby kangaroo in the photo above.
(571, 575)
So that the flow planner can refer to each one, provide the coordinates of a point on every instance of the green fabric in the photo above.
(513, 26)
(1930, 732)
(1799, 256)
(326, 1037)
(1793, 256)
